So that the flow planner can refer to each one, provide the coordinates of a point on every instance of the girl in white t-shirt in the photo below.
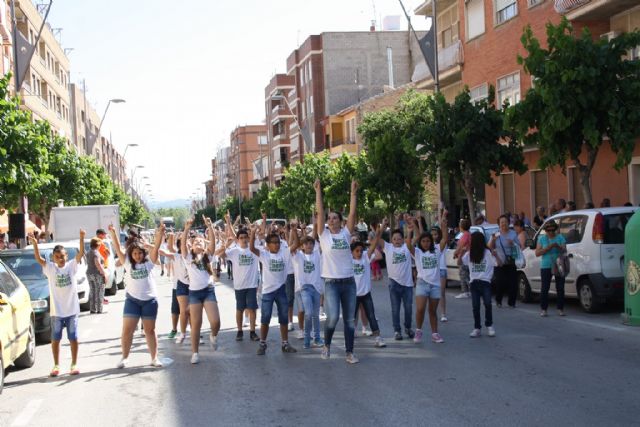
(481, 262)
(180, 293)
(141, 300)
(438, 236)
(362, 272)
(428, 291)
(198, 261)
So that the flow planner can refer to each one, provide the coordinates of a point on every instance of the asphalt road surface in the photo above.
(581, 370)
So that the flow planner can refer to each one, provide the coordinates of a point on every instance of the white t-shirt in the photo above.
(399, 264)
(290, 268)
(140, 283)
(483, 270)
(307, 270)
(428, 265)
(336, 254)
(362, 273)
(199, 277)
(443, 258)
(180, 269)
(274, 269)
(63, 289)
(245, 267)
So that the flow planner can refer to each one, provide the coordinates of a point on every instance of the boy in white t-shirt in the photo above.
(63, 301)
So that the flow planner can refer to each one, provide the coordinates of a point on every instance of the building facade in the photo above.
(223, 179)
(247, 143)
(282, 129)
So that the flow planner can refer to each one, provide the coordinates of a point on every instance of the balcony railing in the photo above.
(564, 6)
(448, 57)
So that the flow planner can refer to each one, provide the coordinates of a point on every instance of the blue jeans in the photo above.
(340, 292)
(279, 296)
(367, 305)
(400, 294)
(59, 323)
(480, 288)
(545, 277)
(311, 303)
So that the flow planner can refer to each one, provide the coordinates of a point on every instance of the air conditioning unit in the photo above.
(610, 35)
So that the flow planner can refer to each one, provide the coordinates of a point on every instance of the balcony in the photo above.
(592, 9)
(450, 60)
(426, 7)
(339, 147)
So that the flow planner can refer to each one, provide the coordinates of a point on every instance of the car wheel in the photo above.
(588, 299)
(113, 289)
(28, 358)
(85, 306)
(524, 290)
(43, 337)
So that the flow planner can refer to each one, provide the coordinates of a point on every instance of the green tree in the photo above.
(342, 171)
(466, 140)
(586, 94)
(179, 214)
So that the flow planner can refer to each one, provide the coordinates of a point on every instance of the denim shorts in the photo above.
(246, 299)
(291, 289)
(207, 294)
(279, 296)
(59, 323)
(182, 290)
(443, 273)
(175, 307)
(424, 289)
(133, 307)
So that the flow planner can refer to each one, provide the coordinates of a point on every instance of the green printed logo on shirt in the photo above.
(339, 244)
(245, 260)
(276, 265)
(398, 258)
(139, 274)
(358, 269)
(429, 262)
(200, 265)
(479, 268)
(308, 266)
(63, 280)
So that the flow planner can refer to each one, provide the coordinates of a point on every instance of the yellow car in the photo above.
(17, 324)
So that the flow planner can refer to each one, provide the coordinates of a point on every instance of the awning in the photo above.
(4, 224)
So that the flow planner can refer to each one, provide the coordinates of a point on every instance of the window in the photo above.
(475, 18)
(301, 71)
(448, 27)
(614, 227)
(572, 228)
(509, 89)
(7, 285)
(262, 140)
(505, 10)
(304, 110)
(507, 192)
(532, 3)
(310, 74)
(295, 143)
(539, 180)
(479, 93)
(310, 104)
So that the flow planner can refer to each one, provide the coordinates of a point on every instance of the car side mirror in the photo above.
(529, 243)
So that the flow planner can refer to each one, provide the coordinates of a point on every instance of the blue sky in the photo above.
(191, 70)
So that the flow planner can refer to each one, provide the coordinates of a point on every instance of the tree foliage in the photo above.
(586, 94)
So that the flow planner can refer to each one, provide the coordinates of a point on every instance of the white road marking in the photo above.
(586, 322)
(86, 333)
(27, 413)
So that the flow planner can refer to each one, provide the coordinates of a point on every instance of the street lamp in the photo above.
(115, 101)
(133, 173)
(126, 148)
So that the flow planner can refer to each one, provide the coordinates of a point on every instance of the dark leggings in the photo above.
(545, 277)
(506, 282)
(367, 305)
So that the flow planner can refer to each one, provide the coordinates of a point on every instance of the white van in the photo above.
(595, 246)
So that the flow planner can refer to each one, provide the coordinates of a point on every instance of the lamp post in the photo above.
(133, 173)
(124, 155)
(115, 101)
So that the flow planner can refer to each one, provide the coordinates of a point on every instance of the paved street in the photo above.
(578, 370)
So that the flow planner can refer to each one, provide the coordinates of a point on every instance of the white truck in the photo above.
(66, 221)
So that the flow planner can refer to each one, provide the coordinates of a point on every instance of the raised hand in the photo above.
(354, 186)
(82, 233)
(32, 239)
(188, 223)
(316, 184)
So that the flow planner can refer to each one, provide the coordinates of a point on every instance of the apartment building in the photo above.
(247, 143)
(6, 62)
(45, 91)
(212, 185)
(222, 177)
(283, 133)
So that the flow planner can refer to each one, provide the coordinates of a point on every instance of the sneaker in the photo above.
(475, 333)
(195, 359)
(366, 332)
(291, 328)
(444, 319)
(253, 336)
(122, 363)
(172, 334)
(287, 348)
(410, 333)
(213, 342)
(326, 353)
(262, 349)
(397, 336)
(300, 334)
(239, 336)
(55, 371)
(156, 363)
(490, 331)
(561, 313)
(462, 295)
(352, 359)
(418, 336)
(162, 273)
(379, 342)
(323, 315)
(317, 343)
(180, 338)
(543, 313)
(435, 337)
(74, 370)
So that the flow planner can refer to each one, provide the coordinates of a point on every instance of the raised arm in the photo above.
(116, 244)
(294, 240)
(185, 237)
(157, 241)
(263, 226)
(211, 249)
(80, 253)
(409, 239)
(252, 241)
(351, 219)
(445, 233)
(228, 225)
(374, 242)
(319, 207)
(36, 251)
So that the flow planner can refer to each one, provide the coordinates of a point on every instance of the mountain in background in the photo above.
(178, 203)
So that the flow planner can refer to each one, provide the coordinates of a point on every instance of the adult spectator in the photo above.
(503, 243)
(550, 246)
(462, 248)
(571, 206)
(606, 203)
(362, 229)
(3, 244)
(560, 205)
(524, 219)
(589, 205)
(104, 252)
(538, 220)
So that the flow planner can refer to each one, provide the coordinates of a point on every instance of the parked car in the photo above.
(17, 324)
(453, 274)
(23, 264)
(595, 247)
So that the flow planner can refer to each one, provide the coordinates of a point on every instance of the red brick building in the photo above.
(247, 144)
